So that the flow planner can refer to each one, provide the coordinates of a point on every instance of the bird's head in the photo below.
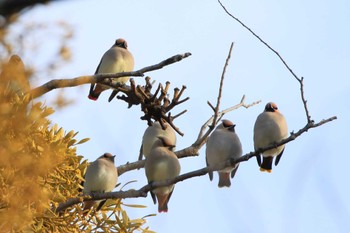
(227, 124)
(271, 107)
(108, 156)
(121, 43)
(166, 142)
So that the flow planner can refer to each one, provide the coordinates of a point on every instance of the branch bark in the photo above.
(101, 78)
(142, 192)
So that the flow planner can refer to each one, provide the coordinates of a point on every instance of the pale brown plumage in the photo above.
(162, 164)
(117, 59)
(101, 176)
(151, 135)
(13, 76)
(222, 145)
(270, 127)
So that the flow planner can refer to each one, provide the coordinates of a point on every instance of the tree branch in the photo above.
(205, 130)
(261, 40)
(216, 110)
(300, 80)
(142, 192)
(101, 78)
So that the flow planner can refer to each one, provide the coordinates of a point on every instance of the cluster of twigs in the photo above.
(155, 105)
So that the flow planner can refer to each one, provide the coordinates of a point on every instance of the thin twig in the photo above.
(300, 80)
(261, 40)
(221, 87)
(308, 117)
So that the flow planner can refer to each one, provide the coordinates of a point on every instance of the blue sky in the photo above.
(308, 191)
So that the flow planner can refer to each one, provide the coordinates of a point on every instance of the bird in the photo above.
(150, 136)
(223, 144)
(117, 59)
(270, 127)
(162, 164)
(101, 176)
(14, 77)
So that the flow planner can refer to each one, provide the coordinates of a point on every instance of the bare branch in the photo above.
(261, 40)
(300, 80)
(101, 78)
(220, 88)
(308, 117)
(200, 172)
(130, 166)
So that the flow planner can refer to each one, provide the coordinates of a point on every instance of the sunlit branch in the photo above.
(101, 78)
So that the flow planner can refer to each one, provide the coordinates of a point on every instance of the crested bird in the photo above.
(115, 60)
(101, 176)
(162, 164)
(270, 127)
(151, 135)
(13, 76)
(223, 144)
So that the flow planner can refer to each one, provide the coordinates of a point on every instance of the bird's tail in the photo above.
(224, 179)
(87, 206)
(266, 165)
(162, 202)
(95, 91)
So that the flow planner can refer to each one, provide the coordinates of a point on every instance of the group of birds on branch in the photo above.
(159, 141)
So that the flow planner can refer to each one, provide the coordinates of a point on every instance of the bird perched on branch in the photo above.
(270, 127)
(223, 144)
(151, 135)
(117, 59)
(13, 76)
(162, 164)
(101, 176)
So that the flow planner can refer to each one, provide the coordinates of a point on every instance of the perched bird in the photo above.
(13, 76)
(101, 176)
(116, 59)
(151, 135)
(222, 145)
(270, 127)
(162, 164)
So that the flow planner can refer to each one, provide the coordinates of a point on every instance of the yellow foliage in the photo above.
(39, 168)
(31, 154)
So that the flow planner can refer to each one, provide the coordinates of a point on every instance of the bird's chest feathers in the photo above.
(112, 66)
(161, 169)
(271, 131)
(103, 179)
(103, 174)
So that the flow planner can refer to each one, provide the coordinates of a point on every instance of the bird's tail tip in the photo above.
(163, 210)
(265, 170)
(224, 180)
(92, 97)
